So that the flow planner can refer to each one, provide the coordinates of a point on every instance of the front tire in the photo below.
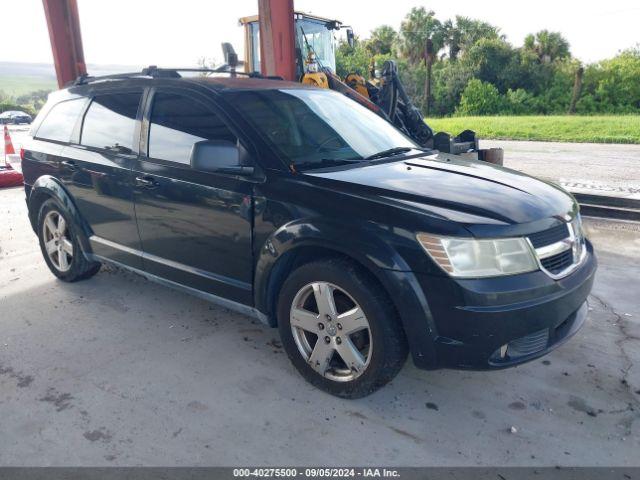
(339, 328)
(60, 244)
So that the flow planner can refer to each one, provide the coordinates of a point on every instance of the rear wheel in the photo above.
(339, 328)
(60, 245)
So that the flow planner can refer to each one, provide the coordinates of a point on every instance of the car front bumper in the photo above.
(500, 322)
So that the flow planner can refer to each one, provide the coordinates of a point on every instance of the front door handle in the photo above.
(70, 164)
(146, 182)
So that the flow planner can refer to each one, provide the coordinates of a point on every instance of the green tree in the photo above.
(383, 41)
(415, 29)
(484, 74)
(464, 32)
(519, 102)
(480, 98)
(548, 46)
(449, 81)
(620, 87)
(354, 59)
(493, 61)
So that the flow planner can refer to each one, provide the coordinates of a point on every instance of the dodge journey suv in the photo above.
(302, 208)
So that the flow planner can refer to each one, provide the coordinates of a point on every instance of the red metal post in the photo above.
(63, 22)
(277, 38)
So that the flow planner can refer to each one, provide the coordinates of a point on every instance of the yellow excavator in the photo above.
(383, 93)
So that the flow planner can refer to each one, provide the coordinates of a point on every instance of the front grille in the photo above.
(559, 262)
(532, 343)
(553, 235)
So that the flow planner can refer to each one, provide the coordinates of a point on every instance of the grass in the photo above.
(557, 128)
(15, 86)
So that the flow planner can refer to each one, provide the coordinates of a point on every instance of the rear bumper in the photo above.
(500, 322)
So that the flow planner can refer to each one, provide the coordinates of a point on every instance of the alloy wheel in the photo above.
(331, 331)
(57, 243)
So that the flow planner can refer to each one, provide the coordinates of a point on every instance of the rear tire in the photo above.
(60, 244)
(356, 348)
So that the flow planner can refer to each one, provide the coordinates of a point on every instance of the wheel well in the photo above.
(297, 257)
(36, 199)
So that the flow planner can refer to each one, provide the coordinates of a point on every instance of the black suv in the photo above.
(306, 210)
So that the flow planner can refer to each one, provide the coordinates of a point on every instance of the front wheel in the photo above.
(340, 329)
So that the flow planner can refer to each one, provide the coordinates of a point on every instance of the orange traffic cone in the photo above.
(8, 145)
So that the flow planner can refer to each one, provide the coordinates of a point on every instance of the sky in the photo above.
(170, 33)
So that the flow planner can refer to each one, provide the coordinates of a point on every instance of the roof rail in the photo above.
(153, 71)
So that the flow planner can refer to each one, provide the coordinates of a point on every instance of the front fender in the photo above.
(46, 187)
(363, 245)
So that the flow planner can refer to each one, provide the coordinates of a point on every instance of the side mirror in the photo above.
(230, 55)
(351, 39)
(218, 156)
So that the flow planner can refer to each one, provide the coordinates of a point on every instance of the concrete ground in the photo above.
(120, 371)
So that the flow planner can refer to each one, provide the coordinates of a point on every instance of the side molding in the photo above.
(223, 302)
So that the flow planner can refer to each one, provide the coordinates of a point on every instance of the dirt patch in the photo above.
(61, 401)
(23, 380)
(580, 405)
(95, 435)
(478, 414)
(197, 406)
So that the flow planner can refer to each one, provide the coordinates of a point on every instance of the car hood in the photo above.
(442, 183)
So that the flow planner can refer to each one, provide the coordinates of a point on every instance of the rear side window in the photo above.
(177, 122)
(59, 123)
(110, 122)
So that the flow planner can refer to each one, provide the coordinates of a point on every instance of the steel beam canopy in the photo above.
(277, 38)
(66, 40)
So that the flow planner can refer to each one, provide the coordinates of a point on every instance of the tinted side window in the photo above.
(110, 121)
(177, 122)
(59, 123)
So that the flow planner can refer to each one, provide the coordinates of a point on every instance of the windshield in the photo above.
(315, 128)
(316, 36)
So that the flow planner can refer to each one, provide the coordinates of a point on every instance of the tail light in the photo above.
(21, 153)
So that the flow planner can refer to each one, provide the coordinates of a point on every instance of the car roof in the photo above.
(244, 83)
(92, 86)
(218, 83)
(12, 112)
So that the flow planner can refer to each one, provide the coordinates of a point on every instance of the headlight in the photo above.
(467, 257)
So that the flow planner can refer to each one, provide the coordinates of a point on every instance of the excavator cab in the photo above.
(316, 65)
(313, 34)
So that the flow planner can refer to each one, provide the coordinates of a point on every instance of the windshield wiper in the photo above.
(327, 162)
(389, 152)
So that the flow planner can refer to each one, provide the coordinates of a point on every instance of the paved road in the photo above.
(119, 371)
(601, 169)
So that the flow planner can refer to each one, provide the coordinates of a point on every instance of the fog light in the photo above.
(503, 350)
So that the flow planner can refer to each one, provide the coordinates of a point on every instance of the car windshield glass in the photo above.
(317, 128)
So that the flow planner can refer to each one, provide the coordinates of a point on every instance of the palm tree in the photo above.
(382, 41)
(415, 29)
(465, 32)
(548, 46)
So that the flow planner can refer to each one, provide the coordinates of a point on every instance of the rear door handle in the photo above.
(146, 182)
(70, 164)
